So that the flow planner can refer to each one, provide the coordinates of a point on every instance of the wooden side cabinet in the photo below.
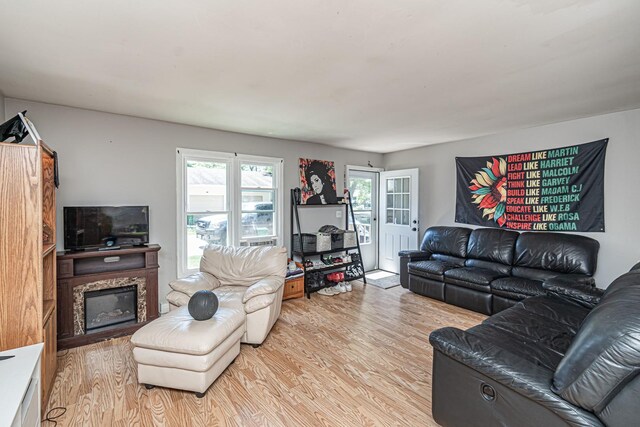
(293, 288)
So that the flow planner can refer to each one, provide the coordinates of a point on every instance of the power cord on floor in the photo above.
(52, 418)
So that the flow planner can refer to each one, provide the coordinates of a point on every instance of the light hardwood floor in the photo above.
(361, 358)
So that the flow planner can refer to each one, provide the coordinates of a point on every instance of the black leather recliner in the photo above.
(488, 270)
(568, 358)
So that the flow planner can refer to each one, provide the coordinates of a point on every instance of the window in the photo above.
(226, 199)
(398, 201)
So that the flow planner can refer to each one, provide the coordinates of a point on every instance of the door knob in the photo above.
(414, 229)
(415, 221)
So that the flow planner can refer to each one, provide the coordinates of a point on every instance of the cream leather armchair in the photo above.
(249, 278)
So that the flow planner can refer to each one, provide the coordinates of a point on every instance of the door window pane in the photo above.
(405, 185)
(361, 193)
(206, 186)
(256, 175)
(363, 222)
(397, 216)
(389, 216)
(390, 187)
(405, 201)
(405, 217)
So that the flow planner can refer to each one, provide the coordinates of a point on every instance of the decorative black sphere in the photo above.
(203, 305)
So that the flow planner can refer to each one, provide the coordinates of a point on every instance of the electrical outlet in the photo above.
(338, 214)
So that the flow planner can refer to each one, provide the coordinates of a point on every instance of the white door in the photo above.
(398, 216)
(363, 185)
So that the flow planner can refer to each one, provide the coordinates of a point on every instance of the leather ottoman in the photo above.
(176, 351)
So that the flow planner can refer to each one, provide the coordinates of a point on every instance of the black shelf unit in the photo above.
(324, 252)
(332, 267)
(295, 222)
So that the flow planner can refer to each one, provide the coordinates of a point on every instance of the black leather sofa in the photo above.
(568, 358)
(488, 270)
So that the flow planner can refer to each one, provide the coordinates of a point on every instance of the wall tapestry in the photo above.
(318, 182)
(561, 189)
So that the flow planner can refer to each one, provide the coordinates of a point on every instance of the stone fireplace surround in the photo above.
(78, 298)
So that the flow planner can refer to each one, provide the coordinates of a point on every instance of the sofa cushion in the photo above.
(448, 259)
(557, 310)
(528, 325)
(533, 273)
(526, 348)
(466, 276)
(491, 244)
(178, 332)
(562, 253)
(430, 269)
(230, 296)
(243, 265)
(605, 353)
(517, 288)
(503, 269)
(446, 240)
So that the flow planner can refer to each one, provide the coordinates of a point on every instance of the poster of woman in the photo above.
(318, 182)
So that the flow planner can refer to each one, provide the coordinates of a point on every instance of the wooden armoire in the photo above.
(27, 252)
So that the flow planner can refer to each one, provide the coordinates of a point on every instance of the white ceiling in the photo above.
(377, 75)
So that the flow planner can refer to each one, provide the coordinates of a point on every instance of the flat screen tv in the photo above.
(96, 227)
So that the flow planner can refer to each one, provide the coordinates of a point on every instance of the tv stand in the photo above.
(80, 272)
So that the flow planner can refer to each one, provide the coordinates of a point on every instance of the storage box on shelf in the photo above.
(312, 242)
(337, 241)
(350, 239)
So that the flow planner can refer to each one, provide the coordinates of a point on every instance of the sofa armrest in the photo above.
(265, 286)
(201, 281)
(415, 255)
(405, 258)
(578, 289)
(506, 368)
(493, 361)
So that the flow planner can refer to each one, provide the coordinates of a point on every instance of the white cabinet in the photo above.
(20, 387)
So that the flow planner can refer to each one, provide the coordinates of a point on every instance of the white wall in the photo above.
(2, 115)
(109, 159)
(619, 244)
